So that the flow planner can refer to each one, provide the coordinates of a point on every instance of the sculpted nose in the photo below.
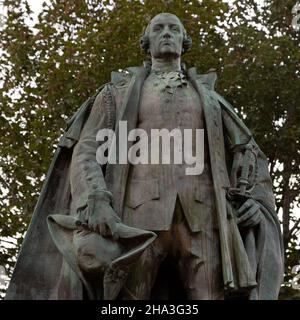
(166, 33)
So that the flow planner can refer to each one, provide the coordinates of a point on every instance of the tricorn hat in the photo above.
(89, 253)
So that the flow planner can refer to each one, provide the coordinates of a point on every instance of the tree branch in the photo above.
(291, 232)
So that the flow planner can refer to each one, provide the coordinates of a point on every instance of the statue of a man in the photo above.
(216, 229)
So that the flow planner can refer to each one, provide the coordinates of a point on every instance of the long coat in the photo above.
(254, 264)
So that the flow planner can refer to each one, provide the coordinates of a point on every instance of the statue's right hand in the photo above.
(102, 218)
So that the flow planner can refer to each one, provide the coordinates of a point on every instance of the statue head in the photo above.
(165, 36)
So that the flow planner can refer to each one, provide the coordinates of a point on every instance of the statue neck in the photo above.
(166, 65)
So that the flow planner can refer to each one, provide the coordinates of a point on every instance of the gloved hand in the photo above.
(101, 217)
(249, 214)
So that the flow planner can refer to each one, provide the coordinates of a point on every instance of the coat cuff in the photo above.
(101, 195)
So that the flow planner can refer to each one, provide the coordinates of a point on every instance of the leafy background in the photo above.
(48, 69)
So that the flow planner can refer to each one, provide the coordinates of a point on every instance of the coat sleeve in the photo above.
(86, 175)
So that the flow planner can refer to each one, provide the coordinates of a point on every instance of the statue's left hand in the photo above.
(249, 214)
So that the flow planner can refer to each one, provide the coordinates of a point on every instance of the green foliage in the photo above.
(49, 70)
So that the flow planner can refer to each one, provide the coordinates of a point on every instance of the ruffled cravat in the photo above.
(169, 81)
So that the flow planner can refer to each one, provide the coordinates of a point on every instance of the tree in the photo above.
(50, 70)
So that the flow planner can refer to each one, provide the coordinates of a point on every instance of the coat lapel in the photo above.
(212, 116)
(237, 272)
(116, 174)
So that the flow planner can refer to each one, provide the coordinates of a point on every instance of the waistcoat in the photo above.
(152, 189)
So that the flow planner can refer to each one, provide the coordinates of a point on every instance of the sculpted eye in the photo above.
(157, 27)
(175, 28)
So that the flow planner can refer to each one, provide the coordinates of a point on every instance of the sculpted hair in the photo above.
(145, 44)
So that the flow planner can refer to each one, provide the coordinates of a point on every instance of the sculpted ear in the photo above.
(186, 44)
(144, 43)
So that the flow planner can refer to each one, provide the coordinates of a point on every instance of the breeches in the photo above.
(196, 256)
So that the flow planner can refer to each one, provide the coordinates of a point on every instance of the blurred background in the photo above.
(55, 54)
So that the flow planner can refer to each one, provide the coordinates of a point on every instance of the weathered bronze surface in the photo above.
(123, 231)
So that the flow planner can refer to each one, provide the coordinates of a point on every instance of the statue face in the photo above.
(165, 36)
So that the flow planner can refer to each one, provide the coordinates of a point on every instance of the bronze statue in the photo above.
(122, 231)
